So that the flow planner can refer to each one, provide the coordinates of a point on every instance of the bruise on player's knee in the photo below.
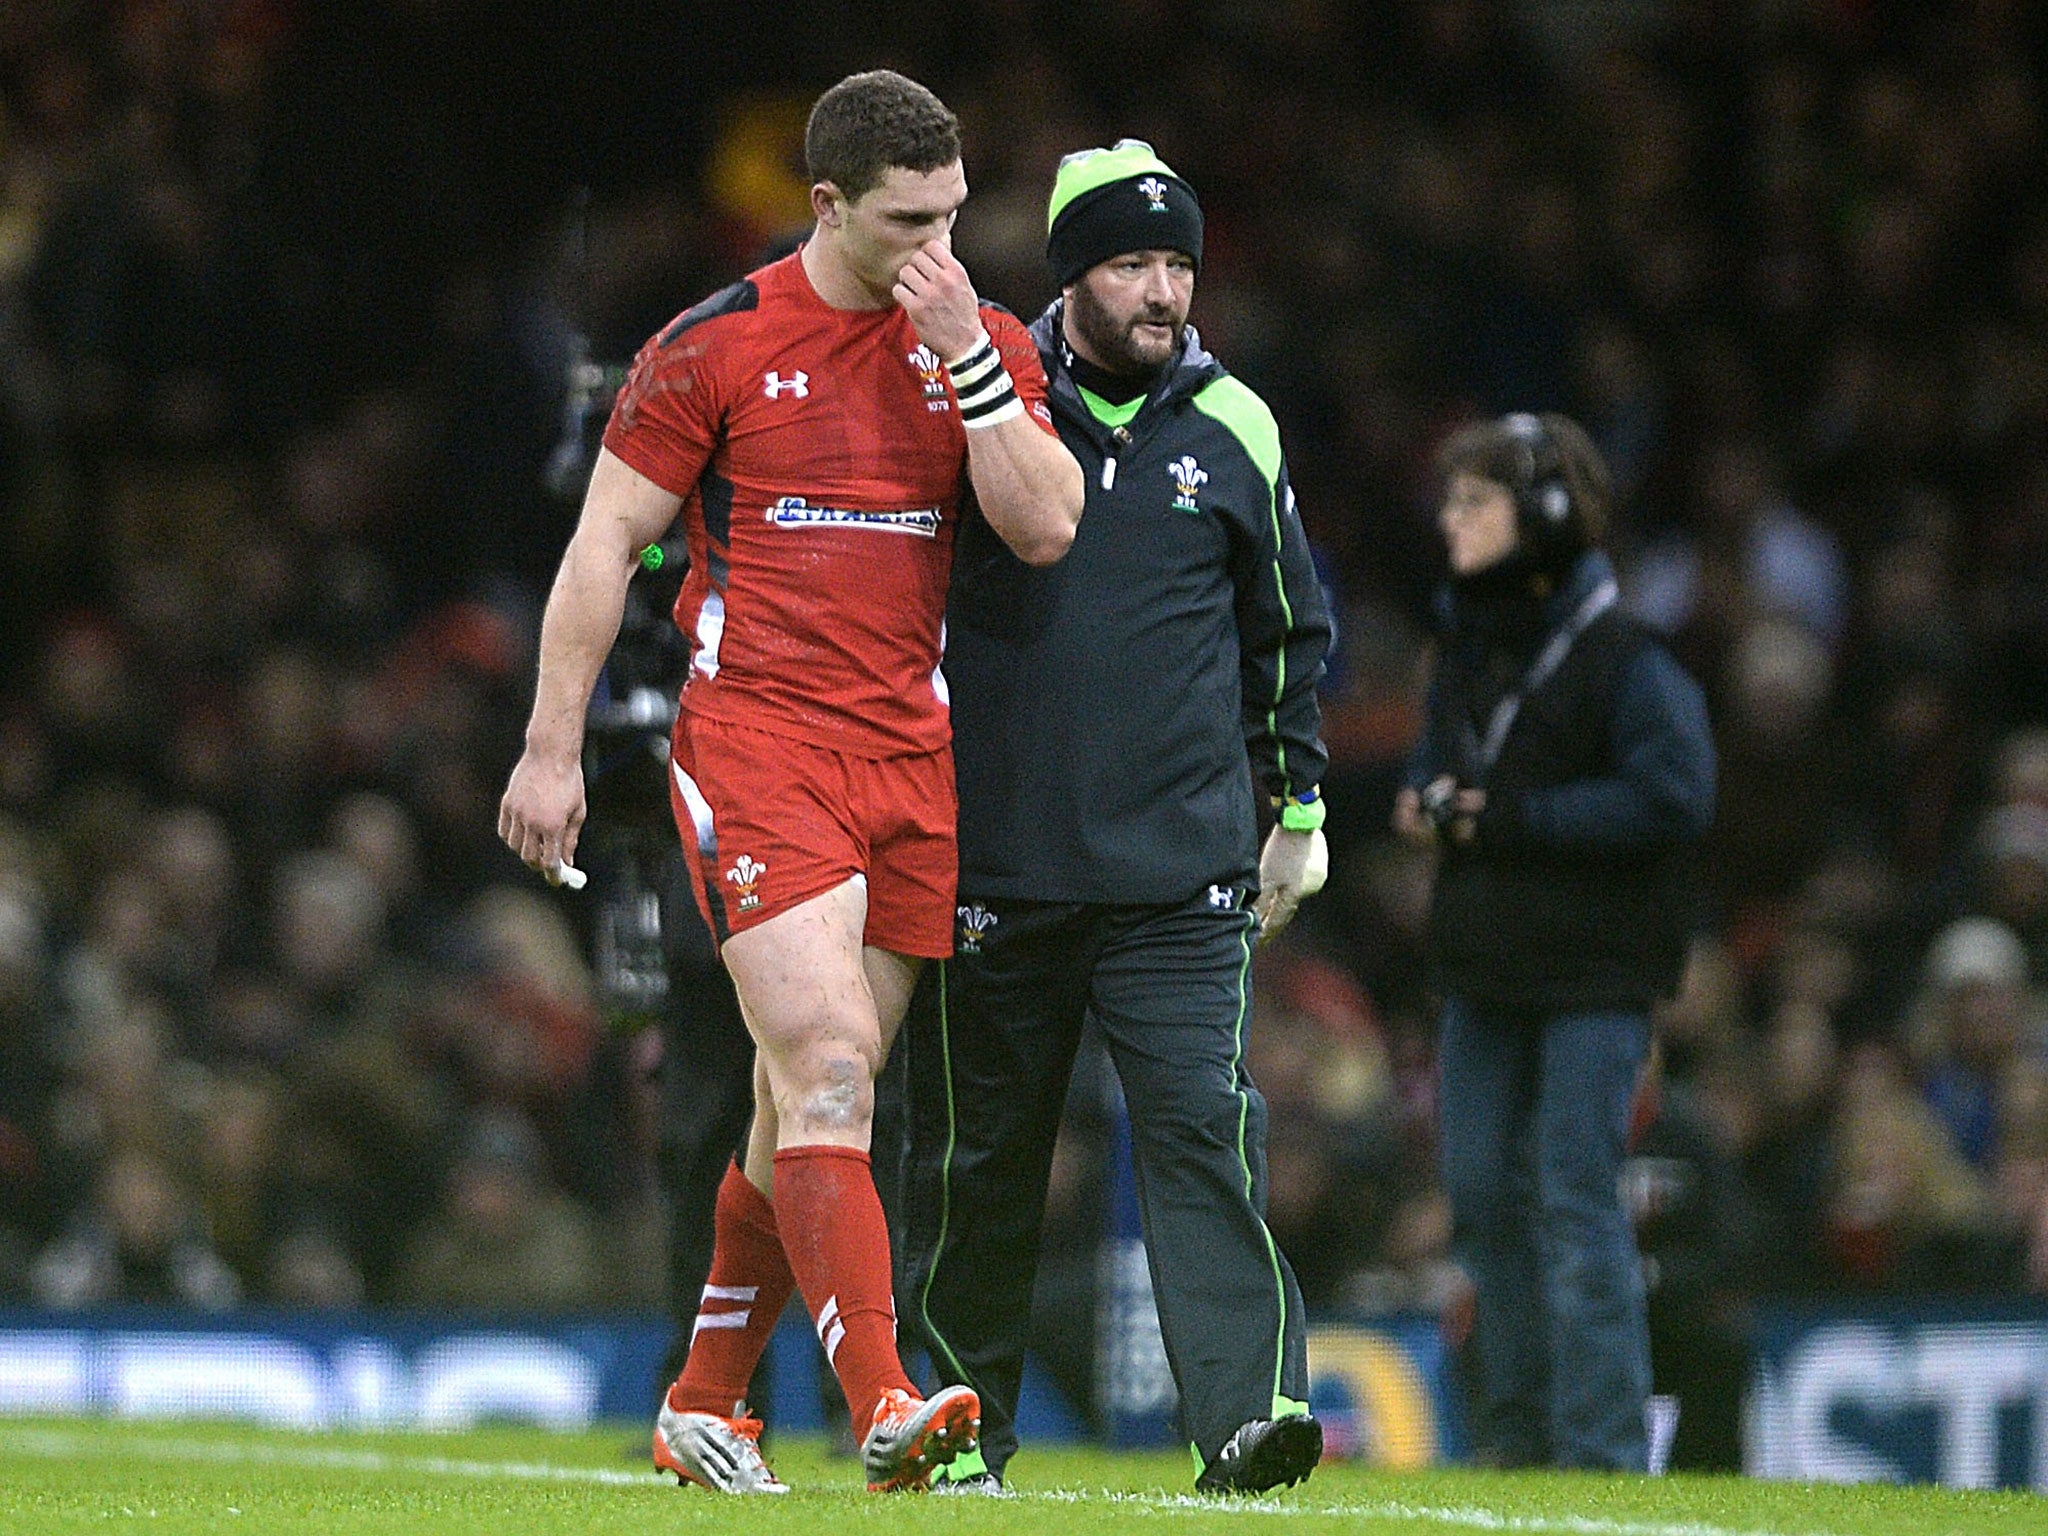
(841, 1095)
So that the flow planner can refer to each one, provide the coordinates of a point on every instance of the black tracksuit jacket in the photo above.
(1190, 604)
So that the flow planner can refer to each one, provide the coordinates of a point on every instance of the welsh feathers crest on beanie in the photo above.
(1106, 202)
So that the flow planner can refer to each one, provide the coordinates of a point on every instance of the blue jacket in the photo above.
(1577, 890)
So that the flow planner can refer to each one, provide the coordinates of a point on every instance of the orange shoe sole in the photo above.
(961, 1422)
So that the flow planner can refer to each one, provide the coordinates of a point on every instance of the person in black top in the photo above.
(1111, 715)
(1566, 770)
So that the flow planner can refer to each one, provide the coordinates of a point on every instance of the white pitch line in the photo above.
(57, 1445)
(1466, 1517)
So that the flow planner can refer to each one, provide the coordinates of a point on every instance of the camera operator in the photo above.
(1565, 770)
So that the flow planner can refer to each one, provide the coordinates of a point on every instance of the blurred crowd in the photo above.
(291, 300)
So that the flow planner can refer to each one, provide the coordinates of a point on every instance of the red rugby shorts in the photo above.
(772, 822)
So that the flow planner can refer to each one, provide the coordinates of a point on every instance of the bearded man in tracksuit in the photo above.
(1109, 858)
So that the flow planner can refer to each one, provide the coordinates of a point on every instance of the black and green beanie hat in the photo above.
(1109, 201)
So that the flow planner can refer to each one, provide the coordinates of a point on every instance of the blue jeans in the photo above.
(1535, 1125)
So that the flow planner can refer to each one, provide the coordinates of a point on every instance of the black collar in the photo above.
(1116, 388)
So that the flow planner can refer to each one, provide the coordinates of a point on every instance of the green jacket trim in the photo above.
(1250, 420)
(1110, 415)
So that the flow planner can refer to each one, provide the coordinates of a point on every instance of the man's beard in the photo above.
(1116, 348)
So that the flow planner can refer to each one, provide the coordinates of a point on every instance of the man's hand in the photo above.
(1410, 824)
(938, 295)
(1443, 809)
(1293, 866)
(1466, 804)
(542, 812)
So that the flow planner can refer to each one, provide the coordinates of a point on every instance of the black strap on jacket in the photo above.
(1483, 754)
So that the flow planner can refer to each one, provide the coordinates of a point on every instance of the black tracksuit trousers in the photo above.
(992, 1037)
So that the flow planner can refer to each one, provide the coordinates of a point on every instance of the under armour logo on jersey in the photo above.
(775, 385)
(1222, 898)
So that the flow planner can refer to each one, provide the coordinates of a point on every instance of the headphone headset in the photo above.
(1543, 502)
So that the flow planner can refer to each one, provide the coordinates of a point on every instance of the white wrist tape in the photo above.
(987, 393)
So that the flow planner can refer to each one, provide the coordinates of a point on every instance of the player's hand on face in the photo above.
(938, 295)
(541, 814)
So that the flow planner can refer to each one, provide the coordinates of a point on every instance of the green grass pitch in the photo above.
(168, 1479)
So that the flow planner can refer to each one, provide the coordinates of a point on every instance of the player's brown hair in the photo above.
(875, 121)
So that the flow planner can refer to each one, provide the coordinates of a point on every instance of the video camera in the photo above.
(629, 841)
(1440, 804)
(629, 832)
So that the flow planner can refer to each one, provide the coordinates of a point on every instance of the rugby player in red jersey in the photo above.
(815, 425)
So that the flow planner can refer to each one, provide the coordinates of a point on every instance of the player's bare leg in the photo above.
(704, 1420)
(891, 978)
(760, 1157)
(823, 1008)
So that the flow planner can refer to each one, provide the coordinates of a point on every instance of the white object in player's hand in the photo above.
(569, 875)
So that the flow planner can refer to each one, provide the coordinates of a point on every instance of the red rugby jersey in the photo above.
(821, 460)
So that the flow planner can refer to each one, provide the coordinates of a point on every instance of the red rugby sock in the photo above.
(838, 1245)
(744, 1295)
